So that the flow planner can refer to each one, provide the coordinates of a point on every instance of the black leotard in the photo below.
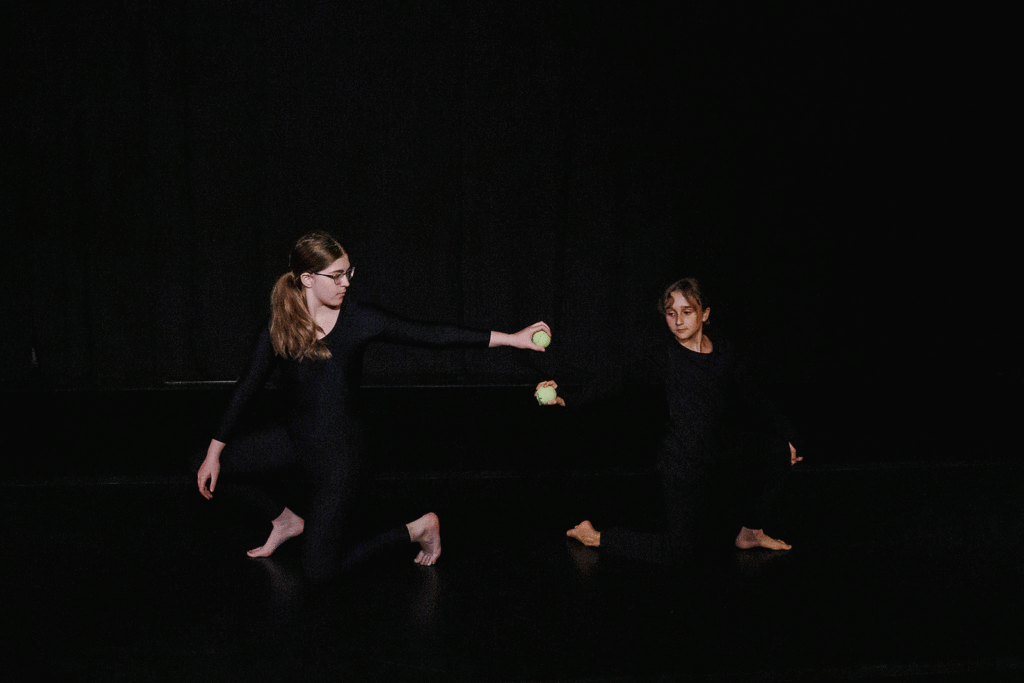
(712, 398)
(724, 454)
(321, 434)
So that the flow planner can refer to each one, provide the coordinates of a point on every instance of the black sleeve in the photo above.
(385, 326)
(252, 380)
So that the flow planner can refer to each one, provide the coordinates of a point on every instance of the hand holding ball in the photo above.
(541, 338)
(546, 395)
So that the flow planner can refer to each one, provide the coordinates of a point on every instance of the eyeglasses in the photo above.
(337, 276)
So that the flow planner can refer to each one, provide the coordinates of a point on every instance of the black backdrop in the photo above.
(831, 170)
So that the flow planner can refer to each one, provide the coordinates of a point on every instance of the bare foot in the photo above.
(756, 538)
(585, 533)
(287, 525)
(427, 532)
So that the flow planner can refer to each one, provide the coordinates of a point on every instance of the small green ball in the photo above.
(541, 339)
(546, 395)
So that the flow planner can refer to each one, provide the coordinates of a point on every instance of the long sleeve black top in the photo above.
(322, 392)
(712, 397)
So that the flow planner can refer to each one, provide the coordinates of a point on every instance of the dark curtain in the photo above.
(488, 164)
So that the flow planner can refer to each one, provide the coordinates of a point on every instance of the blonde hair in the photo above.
(293, 332)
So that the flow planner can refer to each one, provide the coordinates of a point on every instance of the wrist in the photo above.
(499, 339)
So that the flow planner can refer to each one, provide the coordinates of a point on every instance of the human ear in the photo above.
(707, 311)
(307, 280)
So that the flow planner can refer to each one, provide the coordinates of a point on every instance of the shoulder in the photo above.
(262, 336)
(659, 355)
(724, 346)
(660, 348)
(358, 307)
(260, 346)
(366, 312)
(727, 352)
(364, 319)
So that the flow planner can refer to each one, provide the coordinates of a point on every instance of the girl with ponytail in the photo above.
(316, 339)
(293, 332)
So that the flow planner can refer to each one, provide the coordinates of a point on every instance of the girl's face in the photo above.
(684, 319)
(322, 287)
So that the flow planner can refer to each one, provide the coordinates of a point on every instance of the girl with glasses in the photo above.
(316, 341)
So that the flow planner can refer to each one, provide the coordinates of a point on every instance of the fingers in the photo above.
(553, 385)
(202, 479)
(544, 385)
(534, 329)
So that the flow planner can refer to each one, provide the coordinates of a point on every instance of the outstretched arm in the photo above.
(385, 326)
(523, 339)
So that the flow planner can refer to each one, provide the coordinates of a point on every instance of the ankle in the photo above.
(288, 520)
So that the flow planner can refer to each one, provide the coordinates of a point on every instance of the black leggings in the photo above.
(334, 481)
(740, 489)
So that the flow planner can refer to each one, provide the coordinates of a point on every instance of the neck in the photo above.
(316, 307)
(695, 343)
(322, 314)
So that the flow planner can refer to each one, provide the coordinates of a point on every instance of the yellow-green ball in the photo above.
(546, 395)
(541, 339)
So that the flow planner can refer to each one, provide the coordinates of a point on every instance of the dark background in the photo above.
(839, 174)
(836, 173)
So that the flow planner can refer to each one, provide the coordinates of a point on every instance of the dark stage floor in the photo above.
(897, 573)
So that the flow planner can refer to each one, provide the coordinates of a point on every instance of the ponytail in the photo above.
(293, 332)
